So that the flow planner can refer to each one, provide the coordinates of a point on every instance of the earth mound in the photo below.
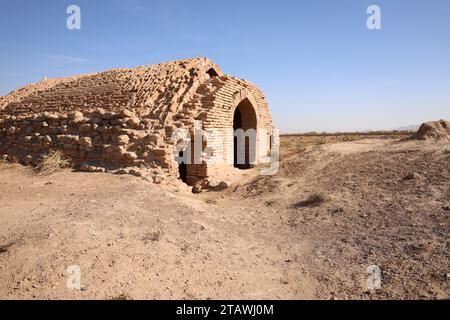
(433, 130)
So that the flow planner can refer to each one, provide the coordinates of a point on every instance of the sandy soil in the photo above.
(387, 204)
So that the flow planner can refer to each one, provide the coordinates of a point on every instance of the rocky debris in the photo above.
(87, 168)
(136, 173)
(209, 185)
(217, 186)
(122, 171)
(197, 188)
(433, 130)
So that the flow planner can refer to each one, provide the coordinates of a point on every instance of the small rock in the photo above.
(157, 179)
(47, 139)
(77, 117)
(135, 173)
(223, 185)
(126, 114)
(197, 189)
(411, 176)
(131, 155)
(27, 160)
(446, 207)
(85, 141)
(108, 115)
(217, 186)
(84, 128)
(336, 210)
(11, 130)
(102, 129)
(133, 122)
(123, 139)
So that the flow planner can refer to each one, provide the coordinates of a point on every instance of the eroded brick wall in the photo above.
(119, 139)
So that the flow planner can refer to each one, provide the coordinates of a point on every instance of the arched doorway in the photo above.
(244, 118)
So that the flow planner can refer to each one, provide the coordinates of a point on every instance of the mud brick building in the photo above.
(126, 118)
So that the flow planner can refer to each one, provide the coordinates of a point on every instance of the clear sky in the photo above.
(319, 66)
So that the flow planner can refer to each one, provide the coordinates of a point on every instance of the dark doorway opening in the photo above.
(237, 123)
(182, 168)
(244, 118)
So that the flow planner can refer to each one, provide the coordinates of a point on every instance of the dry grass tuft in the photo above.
(314, 199)
(152, 237)
(53, 162)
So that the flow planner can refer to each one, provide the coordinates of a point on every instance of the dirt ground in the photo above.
(384, 203)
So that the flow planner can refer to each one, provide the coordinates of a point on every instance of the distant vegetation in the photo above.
(330, 134)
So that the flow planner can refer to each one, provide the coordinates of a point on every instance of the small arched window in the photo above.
(212, 73)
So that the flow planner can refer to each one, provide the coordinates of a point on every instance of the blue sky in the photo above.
(318, 64)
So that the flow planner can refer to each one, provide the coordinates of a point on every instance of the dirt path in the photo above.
(134, 240)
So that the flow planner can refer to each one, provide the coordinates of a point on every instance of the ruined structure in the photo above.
(126, 118)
